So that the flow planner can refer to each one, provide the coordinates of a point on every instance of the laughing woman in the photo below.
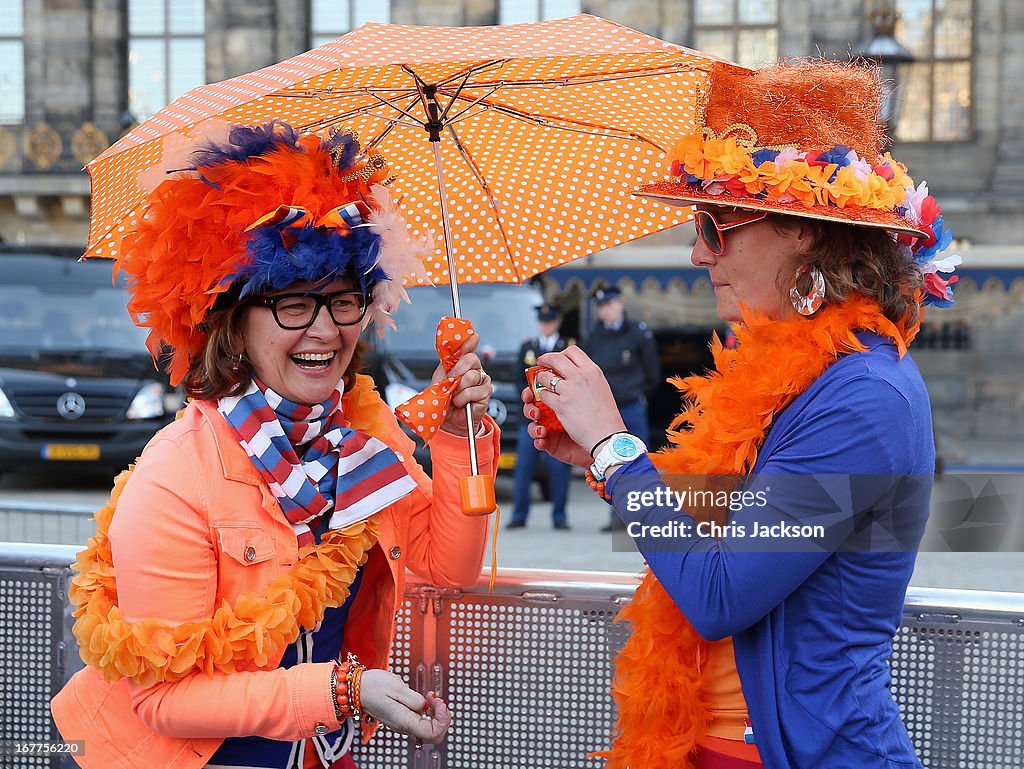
(238, 603)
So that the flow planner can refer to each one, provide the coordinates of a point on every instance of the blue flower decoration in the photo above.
(943, 237)
(836, 155)
(930, 300)
(762, 156)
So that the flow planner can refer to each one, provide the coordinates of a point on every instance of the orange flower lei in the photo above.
(657, 684)
(252, 631)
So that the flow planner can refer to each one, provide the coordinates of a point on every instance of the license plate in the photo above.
(74, 452)
(506, 462)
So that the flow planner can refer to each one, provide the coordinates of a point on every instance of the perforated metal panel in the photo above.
(960, 687)
(529, 684)
(527, 668)
(389, 749)
(31, 612)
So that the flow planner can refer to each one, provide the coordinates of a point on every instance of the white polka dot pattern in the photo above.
(548, 141)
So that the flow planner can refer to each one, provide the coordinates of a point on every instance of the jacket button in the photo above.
(250, 554)
(320, 729)
(395, 553)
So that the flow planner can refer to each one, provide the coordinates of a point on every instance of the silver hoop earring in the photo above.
(808, 304)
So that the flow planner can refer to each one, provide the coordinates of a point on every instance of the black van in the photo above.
(77, 384)
(503, 314)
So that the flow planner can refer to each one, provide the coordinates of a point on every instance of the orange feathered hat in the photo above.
(804, 139)
(265, 209)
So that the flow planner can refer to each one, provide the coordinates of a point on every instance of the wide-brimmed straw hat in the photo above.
(804, 139)
(264, 208)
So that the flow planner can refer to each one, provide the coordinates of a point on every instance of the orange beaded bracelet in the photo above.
(597, 486)
(346, 679)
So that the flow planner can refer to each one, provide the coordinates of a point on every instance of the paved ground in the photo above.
(582, 548)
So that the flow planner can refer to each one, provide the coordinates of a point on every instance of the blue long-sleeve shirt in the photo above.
(812, 618)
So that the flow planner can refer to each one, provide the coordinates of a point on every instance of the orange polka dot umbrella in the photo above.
(544, 130)
(515, 147)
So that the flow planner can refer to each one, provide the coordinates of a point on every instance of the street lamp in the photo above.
(888, 53)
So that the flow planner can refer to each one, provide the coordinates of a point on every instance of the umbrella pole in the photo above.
(477, 491)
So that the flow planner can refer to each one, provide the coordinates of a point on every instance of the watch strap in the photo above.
(608, 457)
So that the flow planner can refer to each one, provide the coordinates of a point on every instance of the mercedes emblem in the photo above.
(71, 405)
(497, 411)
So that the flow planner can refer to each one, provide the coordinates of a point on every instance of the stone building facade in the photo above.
(77, 92)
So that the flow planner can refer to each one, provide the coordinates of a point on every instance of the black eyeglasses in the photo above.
(710, 230)
(295, 311)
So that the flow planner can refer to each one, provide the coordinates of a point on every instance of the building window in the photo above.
(936, 90)
(331, 19)
(743, 31)
(166, 52)
(12, 63)
(522, 11)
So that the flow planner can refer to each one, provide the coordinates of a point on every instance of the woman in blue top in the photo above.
(780, 524)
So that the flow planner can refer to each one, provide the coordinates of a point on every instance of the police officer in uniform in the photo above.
(626, 353)
(548, 339)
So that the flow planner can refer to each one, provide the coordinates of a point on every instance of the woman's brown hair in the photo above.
(865, 260)
(221, 367)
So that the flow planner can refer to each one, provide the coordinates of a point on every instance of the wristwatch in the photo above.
(618, 450)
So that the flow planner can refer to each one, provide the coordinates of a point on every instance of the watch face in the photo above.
(624, 447)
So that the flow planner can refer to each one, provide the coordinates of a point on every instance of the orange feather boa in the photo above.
(657, 686)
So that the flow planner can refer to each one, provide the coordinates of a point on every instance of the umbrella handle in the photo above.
(477, 495)
(477, 491)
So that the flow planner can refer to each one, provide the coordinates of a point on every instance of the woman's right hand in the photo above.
(387, 698)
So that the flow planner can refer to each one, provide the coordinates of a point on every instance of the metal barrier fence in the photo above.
(526, 668)
(49, 522)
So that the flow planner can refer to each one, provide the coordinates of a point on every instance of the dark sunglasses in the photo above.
(299, 310)
(710, 230)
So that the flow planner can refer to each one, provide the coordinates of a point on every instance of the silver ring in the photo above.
(554, 383)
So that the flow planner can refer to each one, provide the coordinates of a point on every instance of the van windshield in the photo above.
(67, 318)
(503, 314)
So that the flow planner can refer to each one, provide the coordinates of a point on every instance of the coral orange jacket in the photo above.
(184, 522)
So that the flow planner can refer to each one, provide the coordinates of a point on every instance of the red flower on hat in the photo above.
(929, 211)
(884, 170)
(735, 186)
(812, 158)
(935, 284)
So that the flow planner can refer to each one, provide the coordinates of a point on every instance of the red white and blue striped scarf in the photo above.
(313, 462)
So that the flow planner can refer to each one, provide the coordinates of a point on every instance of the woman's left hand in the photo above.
(474, 388)
(389, 699)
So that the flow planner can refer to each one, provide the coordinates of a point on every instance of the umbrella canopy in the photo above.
(544, 129)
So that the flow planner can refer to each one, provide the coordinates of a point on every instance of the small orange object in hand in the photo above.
(546, 418)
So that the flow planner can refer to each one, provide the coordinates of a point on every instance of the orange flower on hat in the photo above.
(755, 180)
(689, 151)
(725, 156)
(792, 183)
(847, 189)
